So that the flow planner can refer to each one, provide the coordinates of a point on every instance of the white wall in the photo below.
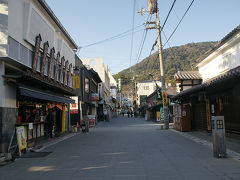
(6, 91)
(3, 27)
(27, 19)
(221, 60)
(103, 72)
(141, 91)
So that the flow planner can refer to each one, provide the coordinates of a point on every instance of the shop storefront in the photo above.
(33, 106)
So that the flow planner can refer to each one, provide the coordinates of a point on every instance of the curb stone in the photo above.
(230, 153)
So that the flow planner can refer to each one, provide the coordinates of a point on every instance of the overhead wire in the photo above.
(142, 41)
(179, 22)
(123, 34)
(133, 23)
(141, 45)
(161, 29)
(165, 21)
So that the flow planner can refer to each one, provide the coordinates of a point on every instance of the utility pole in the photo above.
(153, 9)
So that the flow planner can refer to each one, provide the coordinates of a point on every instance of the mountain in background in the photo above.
(179, 58)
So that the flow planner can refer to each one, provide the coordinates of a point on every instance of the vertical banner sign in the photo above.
(21, 137)
(65, 73)
(119, 85)
(164, 94)
(61, 70)
(159, 95)
(51, 62)
(76, 82)
(74, 107)
(158, 116)
(36, 52)
(57, 67)
(44, 59)
(70, 75)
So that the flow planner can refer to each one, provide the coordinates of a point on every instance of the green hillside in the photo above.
(179, 58)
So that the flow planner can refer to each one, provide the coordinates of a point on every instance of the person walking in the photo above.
(49, 119)
(128, 113)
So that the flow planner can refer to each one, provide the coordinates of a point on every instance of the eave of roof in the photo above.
(233, 73)
(219, 44)
(56, 20)
(188, 75)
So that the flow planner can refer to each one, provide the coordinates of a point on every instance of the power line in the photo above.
(115, 37)
(169, 12)
(133, 22)
(142, 42)
(141, 45)
(179, 22)
(168, 15)
(157, 55)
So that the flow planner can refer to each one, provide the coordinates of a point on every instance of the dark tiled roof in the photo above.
(215, 82)
(187, 75)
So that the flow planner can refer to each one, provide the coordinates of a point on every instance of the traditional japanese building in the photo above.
(219, 94)
(36, 59)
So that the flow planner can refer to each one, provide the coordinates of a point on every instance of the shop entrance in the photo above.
(57, 117)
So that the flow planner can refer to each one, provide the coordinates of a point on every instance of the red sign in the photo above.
(91, 119)
(95, 97)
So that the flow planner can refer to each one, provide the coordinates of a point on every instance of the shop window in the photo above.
(86, 85)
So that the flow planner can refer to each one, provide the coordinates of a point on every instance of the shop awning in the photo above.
(38, 94)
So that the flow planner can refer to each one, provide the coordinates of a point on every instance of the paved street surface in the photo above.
(124, 149)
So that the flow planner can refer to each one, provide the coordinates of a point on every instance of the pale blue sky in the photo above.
(90, 21)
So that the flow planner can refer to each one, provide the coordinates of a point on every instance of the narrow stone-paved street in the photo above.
(122, 149)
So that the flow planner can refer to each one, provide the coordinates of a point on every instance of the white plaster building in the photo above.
(219, 94)
(103, 72)
(32, 44)
(145, 88)
(224, 57)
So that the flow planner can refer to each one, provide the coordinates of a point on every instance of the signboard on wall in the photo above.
(95, 97)
(91, 119)
(21, 137)
(76, 82)
(164, 95)
(158, 116)
(119, 85)
(74, 107)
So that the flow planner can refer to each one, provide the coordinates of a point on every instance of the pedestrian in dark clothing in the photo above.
(128, 113)
(131, 112)
(50, 123)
